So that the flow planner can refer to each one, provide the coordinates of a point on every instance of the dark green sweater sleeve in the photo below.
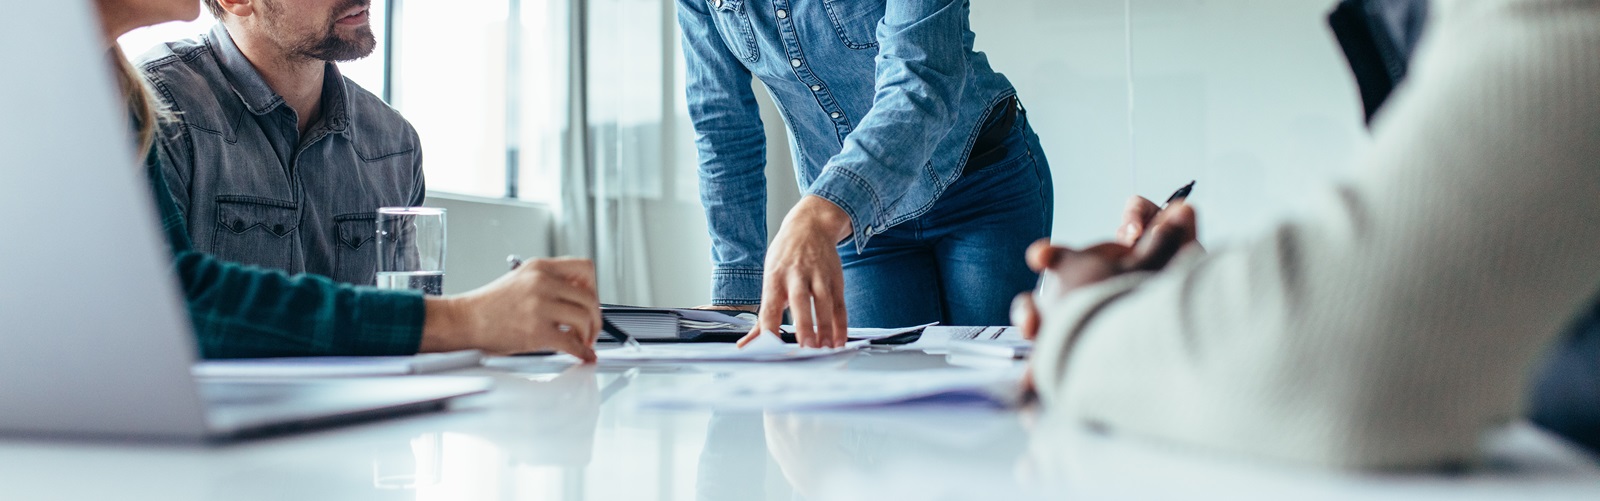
(243, 311)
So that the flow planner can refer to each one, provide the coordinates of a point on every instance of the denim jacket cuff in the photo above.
(856, 197)
(736, 287)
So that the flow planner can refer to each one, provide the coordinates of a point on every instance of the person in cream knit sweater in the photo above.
(1394, 325)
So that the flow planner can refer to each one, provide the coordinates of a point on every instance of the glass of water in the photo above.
(411, 249)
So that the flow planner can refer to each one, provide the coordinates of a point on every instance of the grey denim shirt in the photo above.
(253, 190)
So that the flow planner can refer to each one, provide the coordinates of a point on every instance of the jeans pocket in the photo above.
(734, 24)
(357, 258)
(856, 21)
(255, 230)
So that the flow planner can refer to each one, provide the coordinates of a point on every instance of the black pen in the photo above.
(605, 324)
(1181, 194)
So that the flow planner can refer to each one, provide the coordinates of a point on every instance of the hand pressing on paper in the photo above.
(803, 272)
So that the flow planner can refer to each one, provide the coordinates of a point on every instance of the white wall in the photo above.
(481, 232)
(1249, 97)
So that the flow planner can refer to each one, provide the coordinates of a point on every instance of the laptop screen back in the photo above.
(94, 338)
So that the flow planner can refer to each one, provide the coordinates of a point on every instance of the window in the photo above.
(485, 84)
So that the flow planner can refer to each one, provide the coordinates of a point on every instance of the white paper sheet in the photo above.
(936, 340)
(869, 333)
(787, 390)
(767, 348)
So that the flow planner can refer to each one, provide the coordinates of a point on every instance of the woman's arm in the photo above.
(732, 146)
(921, 74)
(1402, 318)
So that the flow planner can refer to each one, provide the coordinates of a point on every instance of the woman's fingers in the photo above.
(748, 337)
(773, 300)
(829, 332)
(805, 331)
(575, 318)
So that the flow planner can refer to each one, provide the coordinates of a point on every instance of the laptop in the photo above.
(94, 337)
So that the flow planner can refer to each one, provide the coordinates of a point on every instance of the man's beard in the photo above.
(335, 49)
(328, 46)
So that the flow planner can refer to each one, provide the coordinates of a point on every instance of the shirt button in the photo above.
(816, 88)
(238, 225)
(835, 115)
(794, 62)
(783, 14)
(716, 3)
(277, 228)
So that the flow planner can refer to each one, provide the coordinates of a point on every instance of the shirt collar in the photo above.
(261, 99)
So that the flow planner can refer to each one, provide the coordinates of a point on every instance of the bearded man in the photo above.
(274, 157)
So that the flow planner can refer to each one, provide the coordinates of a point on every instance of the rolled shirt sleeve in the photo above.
(922, 69)
(732, 146)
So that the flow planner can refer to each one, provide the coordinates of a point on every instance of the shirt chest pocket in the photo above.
(258, 231)
(357, 255)
(856, 21)
(733, 22)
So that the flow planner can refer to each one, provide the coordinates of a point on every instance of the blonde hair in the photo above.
(146, 111)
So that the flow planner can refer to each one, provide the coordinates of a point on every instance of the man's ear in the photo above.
(239, 8)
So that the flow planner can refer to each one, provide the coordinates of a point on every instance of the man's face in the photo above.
(327, 30)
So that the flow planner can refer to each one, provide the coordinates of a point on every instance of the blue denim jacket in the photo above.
(883, 100)
(252, 189)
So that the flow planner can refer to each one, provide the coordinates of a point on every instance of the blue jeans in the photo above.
(962, 262)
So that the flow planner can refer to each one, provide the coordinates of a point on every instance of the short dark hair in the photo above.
(216, 8)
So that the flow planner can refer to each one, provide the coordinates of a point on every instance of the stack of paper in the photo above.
(669, 324)
(792, 390)
(904, 334)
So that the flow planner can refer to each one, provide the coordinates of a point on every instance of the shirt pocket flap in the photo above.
(240, 214)
(356, 230)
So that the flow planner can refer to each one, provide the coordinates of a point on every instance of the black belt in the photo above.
(990, 145)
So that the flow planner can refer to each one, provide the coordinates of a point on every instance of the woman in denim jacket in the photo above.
(923, 182)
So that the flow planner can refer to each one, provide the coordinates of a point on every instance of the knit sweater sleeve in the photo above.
(1401, 318)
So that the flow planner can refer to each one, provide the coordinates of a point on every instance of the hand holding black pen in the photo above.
(1155, 234)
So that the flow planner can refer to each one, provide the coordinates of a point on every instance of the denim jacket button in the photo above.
(835, 115)
(238, 225)
(277, 228)
(783, 14)
(794, 62)
(816, 88)
(716, 3)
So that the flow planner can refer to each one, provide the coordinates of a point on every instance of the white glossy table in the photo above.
(551, 432)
